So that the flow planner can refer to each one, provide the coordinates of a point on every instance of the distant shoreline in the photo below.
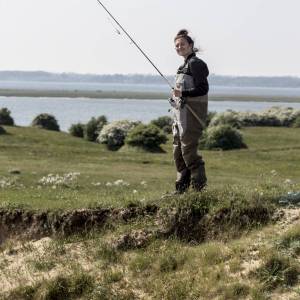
(135, 95)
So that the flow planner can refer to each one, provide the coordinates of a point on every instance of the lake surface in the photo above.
(73, 110)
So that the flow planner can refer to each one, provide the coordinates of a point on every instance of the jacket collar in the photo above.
(189, 57)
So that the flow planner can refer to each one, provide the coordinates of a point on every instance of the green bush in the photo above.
(77, 130)
(222, 137)
(148, 137)
(296, 122)
(113, 134)
(2, 130)
(164, 123)
(45, 121)
(93, 128)
(5, 118)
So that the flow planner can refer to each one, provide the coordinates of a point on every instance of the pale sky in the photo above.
(238, 37)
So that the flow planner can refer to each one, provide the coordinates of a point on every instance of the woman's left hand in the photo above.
(177, 93)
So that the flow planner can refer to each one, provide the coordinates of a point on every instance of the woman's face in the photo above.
(183, 48)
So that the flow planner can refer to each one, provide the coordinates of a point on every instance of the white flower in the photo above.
(288, 181)
(108, 184)
(134, 191)
(121, 182)
(274, 172)
(144, 183)
(65, 179)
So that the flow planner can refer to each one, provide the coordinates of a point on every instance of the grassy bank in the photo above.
(135, 95)
(36, 153)
(232, 241)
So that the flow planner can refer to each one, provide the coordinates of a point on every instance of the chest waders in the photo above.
(187, 130)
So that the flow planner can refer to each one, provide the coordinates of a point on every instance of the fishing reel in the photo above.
(177, 103)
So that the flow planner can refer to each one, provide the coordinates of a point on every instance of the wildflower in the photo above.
(143, 183)
(288, 181)
(274, 172)
(96, 183)
(108, 184)
(65, 179)
(121, 182)
(6, 183)
(134, 191)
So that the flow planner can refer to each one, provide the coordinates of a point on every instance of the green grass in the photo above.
(187, 262)
(37, 153)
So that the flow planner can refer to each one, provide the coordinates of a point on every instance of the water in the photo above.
(69, 111)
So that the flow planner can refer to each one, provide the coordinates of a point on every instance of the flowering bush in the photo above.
(148, 137)
(228, 117)
(274, 116)
(222, 137)
(45, 121)
(113, 134)
(269, 117)
(5, 118)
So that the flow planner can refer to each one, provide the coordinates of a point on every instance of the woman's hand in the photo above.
(177, 93)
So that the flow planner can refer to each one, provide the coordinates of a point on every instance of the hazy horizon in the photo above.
(237, 38)
(143, 74)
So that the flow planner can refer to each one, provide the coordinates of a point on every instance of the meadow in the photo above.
(232, 241)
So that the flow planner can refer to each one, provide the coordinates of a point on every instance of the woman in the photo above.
(190, 112)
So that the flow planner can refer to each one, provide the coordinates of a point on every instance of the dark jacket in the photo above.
(197, 68)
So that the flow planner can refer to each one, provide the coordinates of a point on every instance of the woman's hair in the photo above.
(183, 33)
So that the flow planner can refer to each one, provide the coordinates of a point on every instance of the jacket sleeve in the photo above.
(199, 72)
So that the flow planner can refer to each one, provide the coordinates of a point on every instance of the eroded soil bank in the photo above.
(184, 222)
(36, 224)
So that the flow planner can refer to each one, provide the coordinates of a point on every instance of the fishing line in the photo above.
(114, 26)
(131, 39)
(146, 56)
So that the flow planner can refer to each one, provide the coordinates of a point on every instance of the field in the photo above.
(232, 241)
(99, 94)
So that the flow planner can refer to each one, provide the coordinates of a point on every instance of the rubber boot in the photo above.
(183, 181)
(199, 179)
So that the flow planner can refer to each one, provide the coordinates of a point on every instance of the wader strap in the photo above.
(195, 115)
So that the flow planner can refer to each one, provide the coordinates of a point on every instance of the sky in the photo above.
(237, 37)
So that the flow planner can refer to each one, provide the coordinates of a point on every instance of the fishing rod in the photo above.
(146, 56)
(131, 39)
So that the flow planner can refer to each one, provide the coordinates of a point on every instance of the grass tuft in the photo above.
(277, 271)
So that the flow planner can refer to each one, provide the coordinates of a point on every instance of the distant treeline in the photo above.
(217, 80)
